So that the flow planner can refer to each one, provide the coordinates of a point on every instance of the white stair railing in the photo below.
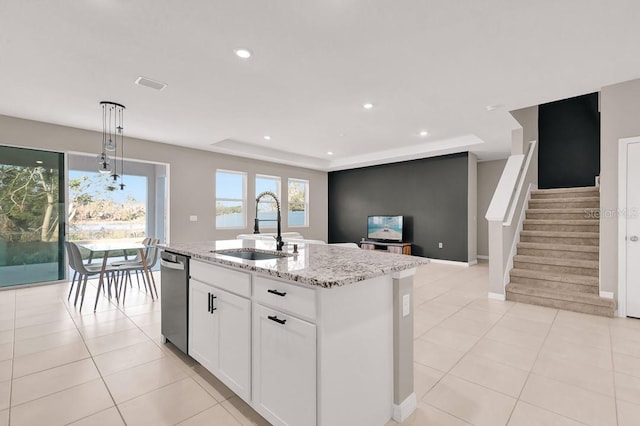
(509, 199)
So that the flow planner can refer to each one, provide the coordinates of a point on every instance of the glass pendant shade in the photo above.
(112, 141)
(110, 145)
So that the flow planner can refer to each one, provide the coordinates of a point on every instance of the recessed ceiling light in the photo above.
(493, 107)
(39, 162)
(243, 53)
(424, 133)
(267, 137)
(367, 106)
(329, 152)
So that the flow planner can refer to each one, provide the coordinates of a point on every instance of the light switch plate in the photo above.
(406, 303)
(193, 218)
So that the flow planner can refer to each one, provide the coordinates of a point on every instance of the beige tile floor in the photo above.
(477, 362)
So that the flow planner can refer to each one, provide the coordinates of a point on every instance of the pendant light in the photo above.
(112, 139)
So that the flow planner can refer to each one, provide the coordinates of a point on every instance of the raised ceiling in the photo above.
(425, 65)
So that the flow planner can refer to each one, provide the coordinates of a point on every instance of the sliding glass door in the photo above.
(31, 216)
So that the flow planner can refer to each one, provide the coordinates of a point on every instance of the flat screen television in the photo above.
(384, 228)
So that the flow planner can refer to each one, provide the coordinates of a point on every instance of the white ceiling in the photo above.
(424, 64)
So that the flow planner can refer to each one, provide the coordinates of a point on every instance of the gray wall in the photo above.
(432, 194)
(619, 106)
(472, 208)
(191, 176)
(489, 173)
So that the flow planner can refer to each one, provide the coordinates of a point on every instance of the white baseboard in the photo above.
(606, 294)
(405, 409)
(496, 296)
(483, 257)
(452, 262)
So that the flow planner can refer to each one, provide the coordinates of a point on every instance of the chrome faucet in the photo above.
(256, 223)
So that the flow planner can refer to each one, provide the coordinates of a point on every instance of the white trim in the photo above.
(405, 409)
(483, 257)
(606, 294)
(496, 296)
(623, 145)
(516, 237)
(452, 262)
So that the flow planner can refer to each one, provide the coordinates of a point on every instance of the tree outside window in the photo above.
(298, 208)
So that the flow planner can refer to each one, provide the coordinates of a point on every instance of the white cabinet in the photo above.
(284, 367)
(203, 330)
(220, 334)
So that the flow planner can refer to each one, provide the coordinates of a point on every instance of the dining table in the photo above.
(121, 246)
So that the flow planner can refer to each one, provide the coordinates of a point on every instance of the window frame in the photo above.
(269, 225)
(243, 200)
(306, 202)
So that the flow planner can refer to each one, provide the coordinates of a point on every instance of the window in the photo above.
(298, 214)
(267, 208)
(230, 199)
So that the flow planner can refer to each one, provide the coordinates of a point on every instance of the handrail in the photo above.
(521, 183)
(500, 203)
(506, 215)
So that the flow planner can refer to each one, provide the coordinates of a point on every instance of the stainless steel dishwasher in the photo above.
(174, 269)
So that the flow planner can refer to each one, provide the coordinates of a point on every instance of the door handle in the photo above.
(209, 302)
(212, 297)
(633, 238)
(276, 319)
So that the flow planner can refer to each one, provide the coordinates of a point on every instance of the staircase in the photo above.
(556, 264)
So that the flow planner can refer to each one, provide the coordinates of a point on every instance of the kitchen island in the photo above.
(320, 336)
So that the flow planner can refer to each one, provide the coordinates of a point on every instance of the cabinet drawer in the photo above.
(285, 297)
(233, 281)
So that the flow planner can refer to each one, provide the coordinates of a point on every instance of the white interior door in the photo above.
(633, 230)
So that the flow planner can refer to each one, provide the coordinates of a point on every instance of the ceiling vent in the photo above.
(147, 82)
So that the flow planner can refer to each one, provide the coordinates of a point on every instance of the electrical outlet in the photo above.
(193, 218)
(440, 245)
(406, 303)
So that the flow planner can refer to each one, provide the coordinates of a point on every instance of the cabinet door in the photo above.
(203, 326)
(284, 367)
(234, 352)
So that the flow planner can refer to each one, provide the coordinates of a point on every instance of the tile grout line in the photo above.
(96, 367)
(613, 374)
(518, 399)
(13, 351)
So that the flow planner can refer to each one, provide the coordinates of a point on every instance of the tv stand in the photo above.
(398, 248)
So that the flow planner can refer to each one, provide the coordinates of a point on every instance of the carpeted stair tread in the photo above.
(561, 234)
(564, 200)
(567, 296)
(565, 190)
(576, 263)
(555, 276)
(559, 247)
(586, 222)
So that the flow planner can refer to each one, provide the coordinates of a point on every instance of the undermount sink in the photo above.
(251, 254)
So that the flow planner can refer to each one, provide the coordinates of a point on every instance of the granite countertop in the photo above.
(315, 264)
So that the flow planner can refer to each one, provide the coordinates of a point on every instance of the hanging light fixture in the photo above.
(112, 139)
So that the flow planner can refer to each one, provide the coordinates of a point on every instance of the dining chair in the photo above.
(126, 267)
(85, 271)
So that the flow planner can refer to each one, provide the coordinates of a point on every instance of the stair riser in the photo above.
(558, 254)
(589, 272)
(560, 240)
(537, 204)
(559, 216)
(604, 311)
(562, 228)
(561, 195)
(556, 285)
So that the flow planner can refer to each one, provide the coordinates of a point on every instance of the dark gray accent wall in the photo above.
(569, 142)
(431, 193)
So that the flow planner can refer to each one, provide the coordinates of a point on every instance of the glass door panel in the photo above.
(31, 216)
